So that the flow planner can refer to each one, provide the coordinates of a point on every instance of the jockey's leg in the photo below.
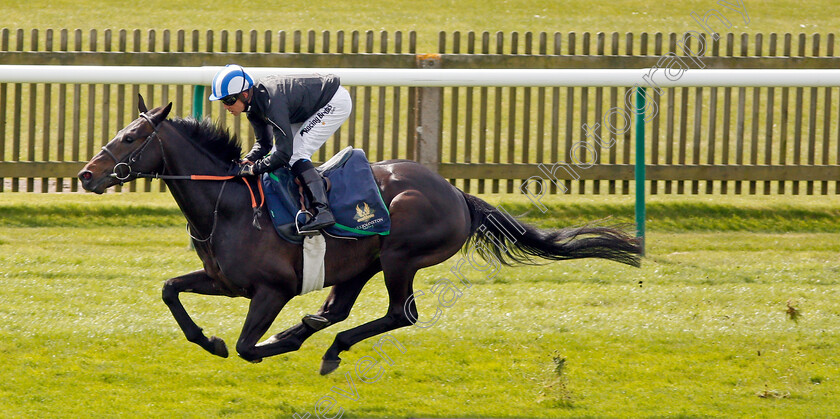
(316, 189)
(314, 132)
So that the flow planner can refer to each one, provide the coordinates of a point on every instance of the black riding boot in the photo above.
(317, 189)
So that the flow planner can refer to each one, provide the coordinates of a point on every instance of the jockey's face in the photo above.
(239, 106)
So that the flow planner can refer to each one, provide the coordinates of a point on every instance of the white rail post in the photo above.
(427, 137)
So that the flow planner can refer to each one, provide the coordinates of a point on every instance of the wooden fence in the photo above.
(701, 140)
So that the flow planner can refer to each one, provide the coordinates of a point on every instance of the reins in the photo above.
(254, 205)
(257, 209)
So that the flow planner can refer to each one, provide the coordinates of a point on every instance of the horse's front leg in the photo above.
(266, 303)
(200, 283)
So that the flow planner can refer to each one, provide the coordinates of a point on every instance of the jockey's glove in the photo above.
(262, 165)
(242, 169)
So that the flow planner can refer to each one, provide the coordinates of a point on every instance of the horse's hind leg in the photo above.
(336, 308)
(424, 231)
(398, 281)
(200, 283)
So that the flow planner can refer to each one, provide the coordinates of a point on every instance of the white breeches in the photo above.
(315, 131)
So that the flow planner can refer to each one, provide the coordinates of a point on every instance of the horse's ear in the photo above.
(159, 114)
(141, 104)
(165, 112)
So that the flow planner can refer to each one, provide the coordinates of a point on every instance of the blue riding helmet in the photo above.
(229, 81)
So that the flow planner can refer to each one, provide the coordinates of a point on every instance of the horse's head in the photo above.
(128, 153)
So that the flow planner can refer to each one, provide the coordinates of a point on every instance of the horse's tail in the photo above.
(496, 234)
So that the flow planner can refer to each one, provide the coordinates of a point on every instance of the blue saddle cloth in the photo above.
(354, 199)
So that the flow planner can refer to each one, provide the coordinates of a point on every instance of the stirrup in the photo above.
(313, 231)
(298, 226)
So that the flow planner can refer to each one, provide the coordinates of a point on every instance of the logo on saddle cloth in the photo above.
(363, 214)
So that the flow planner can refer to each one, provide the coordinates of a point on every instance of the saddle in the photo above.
(354, 197)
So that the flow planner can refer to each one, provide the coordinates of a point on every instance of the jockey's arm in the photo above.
(264, 134)
(282, 145)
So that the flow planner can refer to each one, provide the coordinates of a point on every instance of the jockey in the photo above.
(292, 117)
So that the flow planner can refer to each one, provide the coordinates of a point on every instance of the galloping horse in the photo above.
(430, 221)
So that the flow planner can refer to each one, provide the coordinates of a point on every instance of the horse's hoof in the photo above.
(315, 322)
(329, 365)
(219, 347)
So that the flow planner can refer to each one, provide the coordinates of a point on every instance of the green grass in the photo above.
(89, 210)
(765, 214)
(701, 330)
(425, 17)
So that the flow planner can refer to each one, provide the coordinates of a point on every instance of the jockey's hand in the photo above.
(243, 169)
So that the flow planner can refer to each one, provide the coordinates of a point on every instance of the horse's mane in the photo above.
(215, 139)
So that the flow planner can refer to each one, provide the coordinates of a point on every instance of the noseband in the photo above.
(131, 158)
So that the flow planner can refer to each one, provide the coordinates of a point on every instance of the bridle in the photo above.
(135, 155)
(132, 157)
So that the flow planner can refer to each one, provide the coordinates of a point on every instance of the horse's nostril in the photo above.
(85, 175)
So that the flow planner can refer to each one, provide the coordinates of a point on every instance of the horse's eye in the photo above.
(128, 139)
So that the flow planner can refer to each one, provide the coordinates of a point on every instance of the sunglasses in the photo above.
(229, 100)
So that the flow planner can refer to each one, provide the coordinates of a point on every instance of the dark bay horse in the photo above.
(431, 221)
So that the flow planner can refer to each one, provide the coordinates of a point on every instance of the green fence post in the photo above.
(640, 165)
(198, 102)
(197, 113)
